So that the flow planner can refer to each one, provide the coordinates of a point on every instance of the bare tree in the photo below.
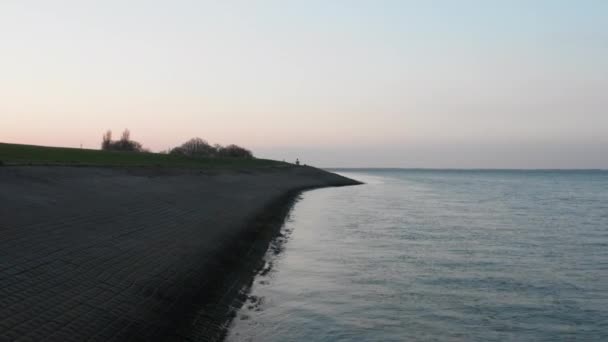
(126, 135)
(124, 144)
(106, 140)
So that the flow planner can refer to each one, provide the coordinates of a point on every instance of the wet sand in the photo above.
(114, 254)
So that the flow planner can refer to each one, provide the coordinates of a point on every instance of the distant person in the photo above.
(297, 162)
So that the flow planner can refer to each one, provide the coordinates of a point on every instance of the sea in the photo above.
(438, 255)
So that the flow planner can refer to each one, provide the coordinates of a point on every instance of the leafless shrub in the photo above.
(198, 147)
(234, 151)
(195, 147)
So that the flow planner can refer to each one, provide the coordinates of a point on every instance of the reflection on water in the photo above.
(438, 255)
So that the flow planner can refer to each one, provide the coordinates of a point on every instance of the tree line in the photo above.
(194, 148)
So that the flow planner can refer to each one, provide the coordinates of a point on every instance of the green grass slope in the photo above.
(14, 154)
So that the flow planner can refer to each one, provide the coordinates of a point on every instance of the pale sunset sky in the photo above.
(456, 84)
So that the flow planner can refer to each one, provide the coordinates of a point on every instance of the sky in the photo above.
(335, 83)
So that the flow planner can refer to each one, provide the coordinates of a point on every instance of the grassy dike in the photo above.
(134, 251)
(16, 154)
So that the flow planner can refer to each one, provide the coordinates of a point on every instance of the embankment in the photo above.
(130, 254)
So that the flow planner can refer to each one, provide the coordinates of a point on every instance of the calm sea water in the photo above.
(439, 255)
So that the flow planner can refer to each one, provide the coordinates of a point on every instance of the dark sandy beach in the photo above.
(114, 254)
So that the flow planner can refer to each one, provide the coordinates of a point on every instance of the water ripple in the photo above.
(439, 256)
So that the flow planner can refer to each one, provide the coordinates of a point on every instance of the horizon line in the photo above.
(458, 169)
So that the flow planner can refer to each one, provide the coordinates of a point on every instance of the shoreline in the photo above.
(229, 292)
(115, 254)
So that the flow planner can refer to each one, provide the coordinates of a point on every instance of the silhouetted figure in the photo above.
(297, 162)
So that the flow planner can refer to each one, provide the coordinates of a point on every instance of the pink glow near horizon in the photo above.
(334, 83)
